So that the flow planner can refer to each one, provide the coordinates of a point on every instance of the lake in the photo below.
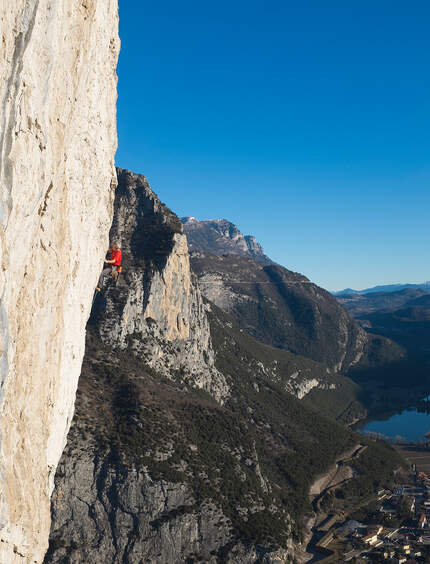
(411, 423)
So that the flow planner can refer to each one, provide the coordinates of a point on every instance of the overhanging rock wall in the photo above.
(57, 143)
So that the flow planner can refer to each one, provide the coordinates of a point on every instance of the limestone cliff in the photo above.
(157, 308)
(57, 143)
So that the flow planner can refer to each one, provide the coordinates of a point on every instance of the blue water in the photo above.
(409, 424)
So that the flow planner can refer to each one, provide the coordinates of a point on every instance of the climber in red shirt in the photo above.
(114, 263)
(116, 255)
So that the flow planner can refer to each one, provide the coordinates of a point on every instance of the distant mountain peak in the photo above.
(222, 237)
(189, 219)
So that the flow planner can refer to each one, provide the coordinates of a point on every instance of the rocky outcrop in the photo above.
(221, 237)
(132, 516)
(157, 309)
(135, 518)
(147, 452)
(57, 143)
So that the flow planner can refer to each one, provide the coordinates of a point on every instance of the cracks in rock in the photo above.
(44, 205)
(7, 124)
(101, 488)
(9, 118)
(133, 535)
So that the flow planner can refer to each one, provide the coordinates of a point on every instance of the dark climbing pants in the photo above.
(103, 275)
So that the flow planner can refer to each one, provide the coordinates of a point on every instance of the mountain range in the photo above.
(279, 307)
(361, 304)
(403, 317)
(197, 432)
(387, 288)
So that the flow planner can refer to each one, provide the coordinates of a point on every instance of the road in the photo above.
(336, 476)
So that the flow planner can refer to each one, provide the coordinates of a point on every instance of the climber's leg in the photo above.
(104, 273)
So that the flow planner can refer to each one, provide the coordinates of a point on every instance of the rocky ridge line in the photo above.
(220, 237)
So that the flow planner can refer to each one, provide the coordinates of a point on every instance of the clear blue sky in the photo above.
(305, 122)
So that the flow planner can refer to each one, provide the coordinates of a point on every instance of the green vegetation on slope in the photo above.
(343, 403)
(374, 470)
(255, 457)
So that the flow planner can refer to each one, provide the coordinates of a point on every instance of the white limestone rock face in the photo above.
(157, 308)
(57, 143)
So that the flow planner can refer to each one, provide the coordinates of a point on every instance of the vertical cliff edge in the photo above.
(158, 312)
(57, 144)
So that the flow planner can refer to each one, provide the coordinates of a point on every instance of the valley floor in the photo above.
(389, 524)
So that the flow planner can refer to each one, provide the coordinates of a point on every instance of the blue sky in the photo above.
(305, 122)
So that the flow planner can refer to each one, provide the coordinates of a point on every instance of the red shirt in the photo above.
(116, 256)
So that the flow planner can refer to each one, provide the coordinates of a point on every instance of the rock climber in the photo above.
(114, 263)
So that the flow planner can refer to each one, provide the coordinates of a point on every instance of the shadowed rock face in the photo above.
(284, 309)
(221, 237)
(133, 515)
(57, 145)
